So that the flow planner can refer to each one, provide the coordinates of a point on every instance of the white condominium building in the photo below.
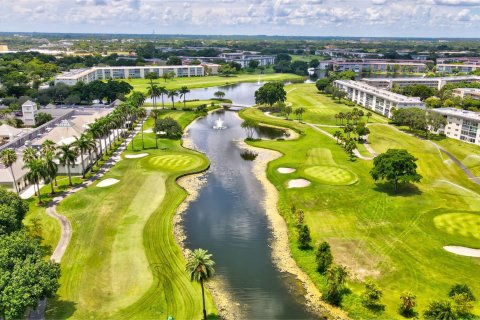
(379, 100)
(461, 124)
(244, 58)
(379, 66)
(451, 68)
(434, 82)
(105, 73)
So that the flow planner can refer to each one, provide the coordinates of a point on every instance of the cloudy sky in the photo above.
(420, 18)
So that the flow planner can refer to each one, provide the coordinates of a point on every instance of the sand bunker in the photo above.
(148, 131)
(135, 156)
(463, 251)
(107, 182)
(286, 170)
(298, 183)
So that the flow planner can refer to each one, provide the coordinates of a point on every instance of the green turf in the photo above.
(330, 175)
(467, 153)
(123, 261)
(459, 223)
(210, 81)
(378, 234)
(320, 109)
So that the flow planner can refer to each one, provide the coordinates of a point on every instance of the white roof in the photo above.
(379, 92)
(465, 114)
(29, 103)
(9, 131)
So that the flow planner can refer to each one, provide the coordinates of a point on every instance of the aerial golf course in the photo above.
(123, 261)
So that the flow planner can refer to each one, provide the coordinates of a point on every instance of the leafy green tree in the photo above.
(336, 278)
(395, 165)
(253, 64)
(137, 98)
(288, 110)
(9, 157)
(441, 309)
(12, 212)
(250, 126)
(435, 121)
(463, 305)
(323, 257)
(299, 113)
(368, 115)
(322, 84)
(407, 305)
(200, 266)
(219, 94)
(174, 61)
(226, 70)
(67, 155)
(371, 296)
(171, 127)
(433, 102)
(313, 63)
(270, 93)
(42, 118)
(304, 237)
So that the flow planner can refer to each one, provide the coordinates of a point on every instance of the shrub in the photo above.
(169, 126)
(324, 257)
(304, 238)
(407, 306)
(460, 288)
(441, 309)
(371, 296)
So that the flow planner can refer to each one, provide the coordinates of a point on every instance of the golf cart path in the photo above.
(66, 227)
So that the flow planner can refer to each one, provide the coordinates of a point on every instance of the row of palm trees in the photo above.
(155, 91)
(43, 165)
(355, 115)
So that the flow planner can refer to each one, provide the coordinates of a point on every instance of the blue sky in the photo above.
(419, 18)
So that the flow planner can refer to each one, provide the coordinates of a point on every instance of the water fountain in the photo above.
(258, 81)
(219, 124)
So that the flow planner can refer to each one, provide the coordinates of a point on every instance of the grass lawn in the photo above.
(320, 108)
(394, 239)
(467, 153)
(123, 261)
(210, 81)
(189, 105)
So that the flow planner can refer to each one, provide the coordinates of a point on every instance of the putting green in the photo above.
(174, 162)
(457, 223)
(331, 175)
(319, 156)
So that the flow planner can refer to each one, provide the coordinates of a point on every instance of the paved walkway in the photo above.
(66, 227)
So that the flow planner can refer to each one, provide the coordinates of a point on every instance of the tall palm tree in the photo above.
(172, 94)
(141, 113)
(36, 172)
(50, 146)
(200, 266)
(162, 91)
(183, 93)
(96, 132)
(155, 114)
(81, 146)
(9, 157)
(29, 154)
(137, 98)
(51, 168)
(153, 92)
(67, 155)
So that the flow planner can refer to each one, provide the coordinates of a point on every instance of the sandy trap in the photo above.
(286, 170)
(298, 183)
(136, 156)
(463, 251)
(148, 131)
(107, 182)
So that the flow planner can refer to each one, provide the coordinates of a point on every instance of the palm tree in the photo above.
(51, 168)
(153, 92)
(36, 171)
(29, 154)
(137, 98)
(9, 157)
(337, 134)
(183, 93)
(200, 266)
(141, 113)
(162, 92)
(172, 94)
(369, 114)
(67, 155)
(154, 114)
(82, 146)
(408, 303)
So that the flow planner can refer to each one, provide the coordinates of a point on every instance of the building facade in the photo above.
(135, 72)
(244, 58)
(29, 112)
(379, 100)
(455, 68)
(378, 66)
(434, 82)
(461, 124)
(472, 93)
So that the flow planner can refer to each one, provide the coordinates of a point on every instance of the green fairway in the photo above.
(123, 261)
(320, 109)
(330, 175)
(467, 153)
(210, 81)
(395, 239)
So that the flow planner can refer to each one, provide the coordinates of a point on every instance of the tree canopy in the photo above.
(270, 93)
(395, 165)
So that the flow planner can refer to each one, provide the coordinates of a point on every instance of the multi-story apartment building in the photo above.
(463, 60)
(472, 93)
(244, 58)
(380, 66)
(452, 68)
(437, 82)
(379, 100)
(29, 112)
(105, 73)
(461, 124)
